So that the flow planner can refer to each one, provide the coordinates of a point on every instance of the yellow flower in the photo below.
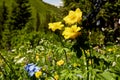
(87, 52)
(56, 77)
(110, 50)
(44, 68)
(1, 62)
(37, 58)
(73, 17)
(38, 74)
(71, 32)
(56, 25)
(75, 65)
(60, 62)
(0, 73)
(90, 61)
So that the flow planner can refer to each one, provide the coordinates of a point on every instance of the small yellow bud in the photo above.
(60, 62)
(110, 50)
(37, 58)
(38, 74)
(56, 77)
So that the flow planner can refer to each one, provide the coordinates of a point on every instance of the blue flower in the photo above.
(32, 68)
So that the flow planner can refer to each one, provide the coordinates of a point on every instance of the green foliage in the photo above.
(36, 18)
(45, 49)
(84, 5)
(96, 37)
(45, 12)
(95, 63)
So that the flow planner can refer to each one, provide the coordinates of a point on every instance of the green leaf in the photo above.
(106, 76)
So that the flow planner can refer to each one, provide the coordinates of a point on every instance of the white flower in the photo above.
(29, 51)
(114, 63)
(119, 21)
(20, 60)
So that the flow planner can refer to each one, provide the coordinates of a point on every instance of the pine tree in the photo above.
(3, 20)
(20, 14)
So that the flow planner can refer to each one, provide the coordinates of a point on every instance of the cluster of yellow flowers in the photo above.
(72, 30)
(60, 62)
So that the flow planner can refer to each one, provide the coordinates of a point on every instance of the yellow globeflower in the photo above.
(73, 17)
(60, 62)
(78, 14)
(38, 74)
(56, 25)
(71, 32)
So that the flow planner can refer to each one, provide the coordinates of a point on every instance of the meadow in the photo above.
(56, 46)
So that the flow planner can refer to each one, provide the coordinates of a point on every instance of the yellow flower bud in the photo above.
(56, 77)
(38, 74)
(60, 62)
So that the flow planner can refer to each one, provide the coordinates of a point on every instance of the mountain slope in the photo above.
(44, 10)
(41, 12)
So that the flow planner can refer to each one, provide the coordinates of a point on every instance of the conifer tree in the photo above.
(3, 20)
(20, 14)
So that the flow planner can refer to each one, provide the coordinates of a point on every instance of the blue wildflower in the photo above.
(32, 68)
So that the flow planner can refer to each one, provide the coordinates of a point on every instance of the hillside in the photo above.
(40, 10)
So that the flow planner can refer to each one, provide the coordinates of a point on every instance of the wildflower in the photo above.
(13, 50)
(56, 77)
(110, 50)
(90, 61)
(73, 17)
(37, 57)
(1, 62)
(78, 75)
(20, 60)
(87, 52)
(31, 69)
(114, 63)
(71, 32)
(76, 65)
(43, 69)
(18, 56)
(29, 51)
(1, 73)
(60, 62)
(56, 25)
(38, 74)
(117, 56)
